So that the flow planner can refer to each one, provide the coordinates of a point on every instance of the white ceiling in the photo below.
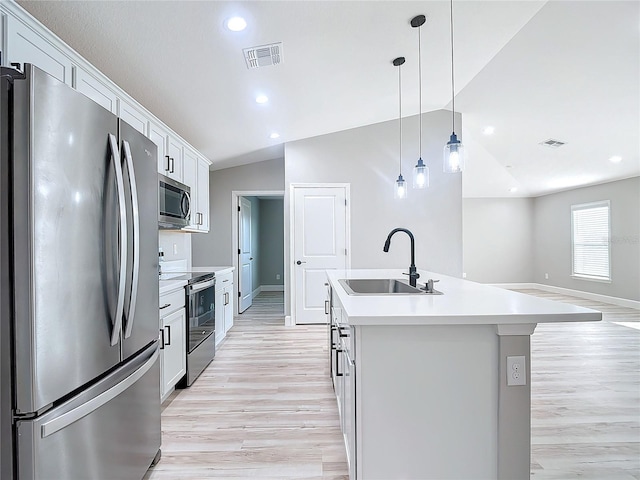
(534, 70)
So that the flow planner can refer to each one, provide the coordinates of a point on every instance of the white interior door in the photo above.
(319, 244)
(245, 259)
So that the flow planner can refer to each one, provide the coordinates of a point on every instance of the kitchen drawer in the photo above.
(173, 301)
(224, 280)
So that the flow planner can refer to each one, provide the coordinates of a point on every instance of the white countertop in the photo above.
(463, 303)
(170, 285)
(217, 270)
(167, 286)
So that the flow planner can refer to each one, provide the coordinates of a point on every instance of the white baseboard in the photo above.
(288, 322)
(272, 288)
(516, 286)
(267, 288)
(623, 302)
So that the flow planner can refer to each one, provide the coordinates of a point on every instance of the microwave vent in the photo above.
(263, 55)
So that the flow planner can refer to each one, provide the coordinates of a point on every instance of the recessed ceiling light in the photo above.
(513, 189)
(488, 130)
(236, 24)
(615, 159)
(262, 99)
(274, 135)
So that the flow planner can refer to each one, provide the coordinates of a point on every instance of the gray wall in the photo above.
(552, 227)
(215, 247)
(497, 239)
(271, 241)
(256, 249)
(367, 158)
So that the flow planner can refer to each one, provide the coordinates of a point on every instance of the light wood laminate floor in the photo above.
(585, 396)
(265, 407)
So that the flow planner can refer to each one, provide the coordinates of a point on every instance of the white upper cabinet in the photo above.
(159, 135)
(133, 116)
(203, 194)
(190, 178)
(196, 175)
(96, 90)
(175, 159)
(3, 60)
(24, 45)
(170, 152)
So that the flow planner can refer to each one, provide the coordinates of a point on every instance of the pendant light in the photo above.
(420, 171)
(400, 186)
(454, 152)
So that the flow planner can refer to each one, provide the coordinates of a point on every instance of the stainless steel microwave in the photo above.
(174, 202)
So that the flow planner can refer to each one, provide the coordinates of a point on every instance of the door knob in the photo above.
(299, 262)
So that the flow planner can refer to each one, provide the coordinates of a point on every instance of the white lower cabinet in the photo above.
(173, 342)
(343, 373)
(224, 305)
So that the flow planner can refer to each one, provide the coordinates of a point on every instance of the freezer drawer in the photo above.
(110, 431)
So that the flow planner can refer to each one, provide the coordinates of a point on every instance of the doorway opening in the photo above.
(259, 262)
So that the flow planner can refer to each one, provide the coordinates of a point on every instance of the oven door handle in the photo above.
(196, 287)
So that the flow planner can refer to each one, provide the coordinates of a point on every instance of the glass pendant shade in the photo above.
(420, 175)
(400, 188)
(454, 155)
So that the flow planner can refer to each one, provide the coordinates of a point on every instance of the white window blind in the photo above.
(591, 233)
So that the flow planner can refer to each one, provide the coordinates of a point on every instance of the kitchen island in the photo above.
(436, 386)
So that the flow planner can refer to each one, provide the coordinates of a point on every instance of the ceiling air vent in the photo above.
(552, 143)
(263, 56)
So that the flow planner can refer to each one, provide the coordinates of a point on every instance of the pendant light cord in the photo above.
(400, 110)
(420, 87)
(453, 95)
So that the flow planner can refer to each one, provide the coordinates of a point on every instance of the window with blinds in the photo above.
(591, 233)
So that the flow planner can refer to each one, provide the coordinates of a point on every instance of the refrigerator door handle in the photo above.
(57, 424)
(117, 321)
(136, 239)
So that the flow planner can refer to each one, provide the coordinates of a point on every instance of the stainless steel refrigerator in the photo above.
(79, 304)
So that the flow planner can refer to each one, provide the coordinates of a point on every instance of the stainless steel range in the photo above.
(201, 325)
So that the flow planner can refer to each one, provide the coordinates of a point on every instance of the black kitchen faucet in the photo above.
(413, 274)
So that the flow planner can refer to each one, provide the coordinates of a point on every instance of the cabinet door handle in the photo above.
(165, 306)
(173, 164)
(168, 163)
(168, 327)
(338, 373)
(162, 339)
(326, 307)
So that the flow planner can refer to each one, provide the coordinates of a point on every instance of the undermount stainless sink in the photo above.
(381, 286)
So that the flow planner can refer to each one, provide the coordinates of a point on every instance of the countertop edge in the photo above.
(507, 308)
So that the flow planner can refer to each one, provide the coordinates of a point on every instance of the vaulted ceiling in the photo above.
(534, 70)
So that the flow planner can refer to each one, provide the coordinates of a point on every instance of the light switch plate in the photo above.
(516, 371)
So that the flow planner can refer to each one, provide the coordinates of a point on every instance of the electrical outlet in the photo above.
(516, 371)
(464, 274)
(546, 276)
(277, 276)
